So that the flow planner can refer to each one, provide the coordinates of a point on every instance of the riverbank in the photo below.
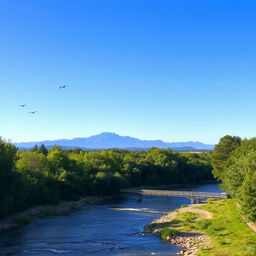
(215, 228)
(62, 208)
(190, 241)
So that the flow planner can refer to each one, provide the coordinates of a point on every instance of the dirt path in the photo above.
(203, 214)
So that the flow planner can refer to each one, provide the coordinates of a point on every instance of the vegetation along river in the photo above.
(110, 228)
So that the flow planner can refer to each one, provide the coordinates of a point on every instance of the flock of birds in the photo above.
(33, 112)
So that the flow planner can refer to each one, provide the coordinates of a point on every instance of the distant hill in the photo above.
(111, 140)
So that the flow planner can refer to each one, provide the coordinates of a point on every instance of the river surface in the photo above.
(110, 228)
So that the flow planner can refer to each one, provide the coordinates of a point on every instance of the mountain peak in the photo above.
(108, 134)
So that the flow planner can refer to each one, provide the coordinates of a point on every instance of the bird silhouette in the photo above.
(63, 86)
(32, 112)
(23, 105)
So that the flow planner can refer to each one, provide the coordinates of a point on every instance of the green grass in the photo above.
(184, 221)
(229, 234)
(161, 225)
(168, 232)
(46, 212)
(21, 220)
(210, 200)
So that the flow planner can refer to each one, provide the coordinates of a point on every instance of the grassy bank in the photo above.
(227, 231)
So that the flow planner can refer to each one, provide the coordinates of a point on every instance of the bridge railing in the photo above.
(176, 193)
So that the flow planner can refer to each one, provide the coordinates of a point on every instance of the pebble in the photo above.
(190, 244)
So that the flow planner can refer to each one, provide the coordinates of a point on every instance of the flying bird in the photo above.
(32, 112)
(63, 86)
(23, 105)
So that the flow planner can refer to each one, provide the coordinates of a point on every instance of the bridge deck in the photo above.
(175, 193)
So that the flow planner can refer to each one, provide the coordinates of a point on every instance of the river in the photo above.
(110, 228)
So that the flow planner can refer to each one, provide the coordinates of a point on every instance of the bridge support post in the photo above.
(139, 199)
(192, 200)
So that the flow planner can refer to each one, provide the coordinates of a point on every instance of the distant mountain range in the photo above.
(111, 140)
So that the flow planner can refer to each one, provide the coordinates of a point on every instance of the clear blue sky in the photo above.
(170, 70)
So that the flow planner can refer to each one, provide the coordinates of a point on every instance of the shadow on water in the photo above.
(111, 228)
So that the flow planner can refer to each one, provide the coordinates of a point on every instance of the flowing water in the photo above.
(111, 228)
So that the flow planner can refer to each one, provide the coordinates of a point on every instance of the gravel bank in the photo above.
(190, 242)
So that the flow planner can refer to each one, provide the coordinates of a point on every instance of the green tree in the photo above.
(117, 182)
(58, 161)
(234, 173)
(35, 148)
(161, 166)
(12, 194)
(42, 176)
(43, 149)
(101, 183)
(247, 190)
(221, 154)
(35, 168)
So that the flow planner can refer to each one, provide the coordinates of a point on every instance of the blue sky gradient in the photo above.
(170, 70)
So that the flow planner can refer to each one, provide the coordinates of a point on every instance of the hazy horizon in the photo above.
(101, 133)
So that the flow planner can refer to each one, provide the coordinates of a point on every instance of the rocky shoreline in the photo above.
(62, 208)
(190, 242)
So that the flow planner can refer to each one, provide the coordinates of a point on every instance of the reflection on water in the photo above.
(111, 228)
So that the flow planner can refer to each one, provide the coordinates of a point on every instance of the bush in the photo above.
(46, 212)
(169, 232)
(21, 220)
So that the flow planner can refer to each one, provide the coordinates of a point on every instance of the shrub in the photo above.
(46, 212)
(169, 232)
(21, 220)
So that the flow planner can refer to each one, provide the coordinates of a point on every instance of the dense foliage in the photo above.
(234, 163)
(40, 176)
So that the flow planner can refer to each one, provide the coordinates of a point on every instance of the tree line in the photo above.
(234, 163)
(41, 176)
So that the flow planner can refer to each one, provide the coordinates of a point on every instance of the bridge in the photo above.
(194, 196)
